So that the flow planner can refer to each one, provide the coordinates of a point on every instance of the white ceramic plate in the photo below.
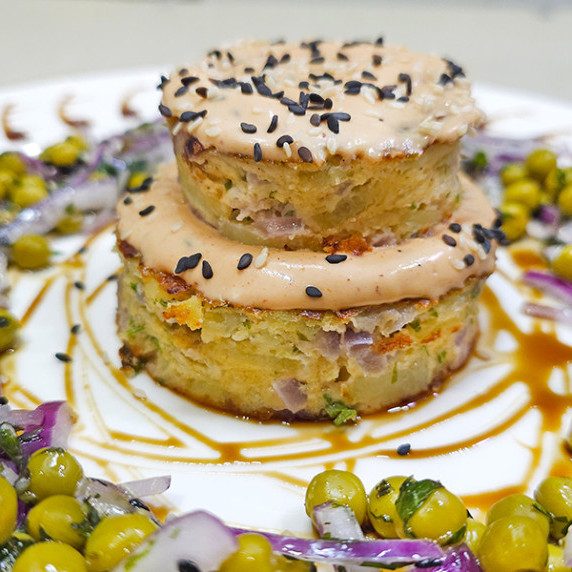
(487, 431)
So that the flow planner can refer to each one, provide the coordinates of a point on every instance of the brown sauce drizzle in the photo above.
(11, 134)
(538, 353)
(63, 114)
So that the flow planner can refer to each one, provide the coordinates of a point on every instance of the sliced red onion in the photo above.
(53, 431)
(458, 559)
(564, 233)
(327, 344)
(291, 393)
(146, 487)
(198, 540)
(381, 553)
(337, 522)
(553, 285)
(549, 214)
(563, 315)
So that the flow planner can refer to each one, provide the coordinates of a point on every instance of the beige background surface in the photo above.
(526, 45)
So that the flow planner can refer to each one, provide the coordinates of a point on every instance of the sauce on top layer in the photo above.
(308, 101)
(170, 238)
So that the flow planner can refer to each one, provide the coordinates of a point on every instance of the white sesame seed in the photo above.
(177, 226)
(213, 131)
(215, 121)
(331, 145)
(461, 130)
(331, 90)
(258, 110)
(261, 259)
(287, 150)
(139, 394)
(367, 93)
(373, 113)
(177, 128)
(192, 125)
(314, 131)
(457, 264)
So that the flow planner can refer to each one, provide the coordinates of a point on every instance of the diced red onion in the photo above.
(146, 487)
(291, 393)
(563, 315)
(553, 285)
(457, 559)
(198, 538)
(549, 214)
(20, 417)
(337, 522)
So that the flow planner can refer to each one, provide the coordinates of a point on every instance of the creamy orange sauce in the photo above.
(403, 123)
(417, 268)
(538, 353)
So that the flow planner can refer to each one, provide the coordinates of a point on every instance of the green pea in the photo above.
(555, 493)
(565, 200)
(114, 538)
(64, 154)
(50, 556)
(381, 506)
(11, 161)
(254, 553)
(520, 505)
(515, 217)
(9, 509)
(341, 487)
(426, 509)
(513, 172)
(562, 264)
(540, 162)
(473, 534)
(70, 223)
(57, 516)
(30, 190)
(512, 544)
(525, 191)
(31, 251)
(9, 327)
(53, 471)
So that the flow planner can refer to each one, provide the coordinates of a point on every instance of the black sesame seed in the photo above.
(376, 60)
(405, 78)
(403, 99)
(342, 57)
(248, 127)
(183, 71)
(284, 139)
(379, 41)
(313, 292)
(315, 119)
(216, 53)
(455, 227)
(207, 270)
(75, 329)
(340, 116)
(3, 400)
(244, 261)
(248, 70)
(296, 109)
(336, 258)
(257, 152)
(287, 101)
(202, 92)
(305, 154)
(187, 116)
(404, 449)
(187, 566)
(387, 92)
(486, 245)
(181, 91)
(189, 80)
(273, 124)
(469, 259)
(164, 81)
(138, 503)
(368, 75)
(187, 262)
(333, 124)
(164, 110)
(246, 88)
(449, 240)
(304, 85)
(79, 285)
(147, 210)
(271, 62)
(112, 277)
(454, 69)
(317, 60)
(127, 200)
(328, 103)
(445, 79)
(63, 357)
(285, 59)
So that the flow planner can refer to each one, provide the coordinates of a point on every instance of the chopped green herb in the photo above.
(86, 526)
(394, 374)
(134, 330)
(339, 411)
(441, 356)
(133, 286)
(415, 325)
(301, 336)
(434, 312)
(228, 185)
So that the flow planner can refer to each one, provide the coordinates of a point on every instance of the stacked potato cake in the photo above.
(314, 248)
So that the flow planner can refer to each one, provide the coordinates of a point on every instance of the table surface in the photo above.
(524, 45)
